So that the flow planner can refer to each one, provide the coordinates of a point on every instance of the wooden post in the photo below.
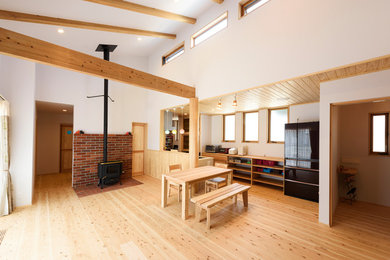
(162, 130)
(194, 133)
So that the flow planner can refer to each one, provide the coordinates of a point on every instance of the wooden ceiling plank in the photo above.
(32, 18)
(144, 10)
(218, 1)
(25, 47)
(290, 93)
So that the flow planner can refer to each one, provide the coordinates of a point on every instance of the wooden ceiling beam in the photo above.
(218, 1)
(25, 47)
(144, 10)
(31, 18)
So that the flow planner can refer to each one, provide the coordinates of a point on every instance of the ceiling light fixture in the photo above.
(219, 105)
(60, 30)
(64, 110)
(139, 38)
(235, 100)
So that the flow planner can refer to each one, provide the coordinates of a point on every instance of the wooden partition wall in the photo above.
(157, 162)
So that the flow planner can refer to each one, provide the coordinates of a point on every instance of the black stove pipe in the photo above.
(105, 124)
(106, 49)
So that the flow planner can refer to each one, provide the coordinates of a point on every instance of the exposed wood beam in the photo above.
(31, 18)
(218, 1)
(144, 10)
(194, 132)
(25, 47)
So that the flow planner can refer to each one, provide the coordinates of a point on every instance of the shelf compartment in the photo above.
(269, 174)
(243, 169)
(242, 176)
(269, 181)
(239, 163)
(270, 167)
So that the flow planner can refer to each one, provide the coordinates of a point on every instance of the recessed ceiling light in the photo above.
(64, 110)
(378, 101)
(60, 30)
(139, 38)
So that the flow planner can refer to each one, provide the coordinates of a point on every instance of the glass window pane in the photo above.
(254, 5)
(251, 126)
(379, 133)
(213, 30)
(278, 118)
(230, 128)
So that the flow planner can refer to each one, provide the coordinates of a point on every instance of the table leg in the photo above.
(184, 202)
(229, 178)
(164, 192)
(245, 198)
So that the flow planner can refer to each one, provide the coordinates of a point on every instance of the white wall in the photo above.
(205, 132)
(373, 178)
(303, 113)
(48, 138)
(280, 40)
(17, 85)
(374, 85)
(68, 87)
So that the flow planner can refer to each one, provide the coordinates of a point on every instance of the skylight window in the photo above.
(173, 54)
(251, 5)
(209, 30)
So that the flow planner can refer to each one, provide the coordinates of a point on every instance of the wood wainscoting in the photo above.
(157, 162)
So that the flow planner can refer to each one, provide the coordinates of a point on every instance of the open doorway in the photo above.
(54, 138)
(360, 163)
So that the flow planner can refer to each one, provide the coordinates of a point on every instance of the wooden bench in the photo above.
(208, 200)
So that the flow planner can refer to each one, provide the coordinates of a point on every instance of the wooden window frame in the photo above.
(210, 25)
(244, 4)
(371, 116)
(223, 127)
(164, 57)
(243, 127)
(269, 123)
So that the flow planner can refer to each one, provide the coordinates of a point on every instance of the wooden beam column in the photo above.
(194, 132)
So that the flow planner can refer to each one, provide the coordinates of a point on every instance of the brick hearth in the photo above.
(88, 152)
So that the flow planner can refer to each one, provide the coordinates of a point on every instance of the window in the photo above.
(173, 54)
(379, 133)
(209, 30)
(277, 118)
(251, 5)
(251, 127)
(229, 128)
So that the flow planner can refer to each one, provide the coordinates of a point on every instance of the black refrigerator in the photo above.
(301, 160)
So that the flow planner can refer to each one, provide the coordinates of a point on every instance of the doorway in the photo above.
(54, 138)
(359, 162)
(66, 148)
(140, 134)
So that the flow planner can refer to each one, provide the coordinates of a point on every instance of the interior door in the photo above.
(139, 147)
(66, 148)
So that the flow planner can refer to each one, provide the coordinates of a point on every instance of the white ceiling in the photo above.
(87, 40)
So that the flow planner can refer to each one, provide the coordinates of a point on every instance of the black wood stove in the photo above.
(108, 172)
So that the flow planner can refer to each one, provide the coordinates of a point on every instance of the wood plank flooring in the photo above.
(130, 224)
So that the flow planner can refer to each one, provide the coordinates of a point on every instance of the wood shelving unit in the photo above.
(255, 166)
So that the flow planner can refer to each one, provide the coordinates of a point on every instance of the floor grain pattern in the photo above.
(129, 223)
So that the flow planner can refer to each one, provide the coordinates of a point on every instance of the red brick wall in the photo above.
(88, 152)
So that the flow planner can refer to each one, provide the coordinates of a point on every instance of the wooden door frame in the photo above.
(64, 125)
(145, 125)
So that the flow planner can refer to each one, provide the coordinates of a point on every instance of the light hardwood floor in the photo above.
(130, 224)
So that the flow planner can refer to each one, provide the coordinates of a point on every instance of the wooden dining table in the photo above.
(188, 177)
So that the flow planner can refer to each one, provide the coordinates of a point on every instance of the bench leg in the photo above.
(245, 198)
(198, 212)
(208, 218)
(235, 199)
